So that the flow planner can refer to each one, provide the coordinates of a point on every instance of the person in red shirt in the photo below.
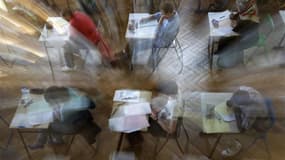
(83, 26)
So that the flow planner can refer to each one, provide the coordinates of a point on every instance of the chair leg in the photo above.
(267, 148)
(187, 137)
(165, 142)
(179, 146)
(69, 146)
(155, 147)
(180, 59)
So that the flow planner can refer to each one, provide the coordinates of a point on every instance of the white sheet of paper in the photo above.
(225, 28)
(20, 121)
(39, 113)
(137, 109)
(132, 96)
(128, 124)
(36, 119)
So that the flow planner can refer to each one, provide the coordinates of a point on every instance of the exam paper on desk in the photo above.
(132, 96)
(128, 124)
(39, 113)
(131, 109)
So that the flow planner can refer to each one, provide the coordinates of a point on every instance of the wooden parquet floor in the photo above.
(196, 77)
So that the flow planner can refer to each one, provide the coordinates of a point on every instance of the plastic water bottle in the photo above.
(25, 95)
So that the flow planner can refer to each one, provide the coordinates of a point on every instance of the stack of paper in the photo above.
(130, 114)
(128, 124)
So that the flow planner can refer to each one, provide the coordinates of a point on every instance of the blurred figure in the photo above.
(251, 113)
(249, 107)
(84, 25)
(245, 22)
(70, 114)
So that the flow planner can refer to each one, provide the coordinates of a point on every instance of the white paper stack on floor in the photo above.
(129, 113)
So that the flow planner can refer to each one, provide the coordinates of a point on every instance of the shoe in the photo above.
(67, 69)
(35, 146)
(232, 150)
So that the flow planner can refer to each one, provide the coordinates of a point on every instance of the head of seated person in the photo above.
(167, 87)
(55, 94)
(167, 9)
(240, 97)
(67, 14)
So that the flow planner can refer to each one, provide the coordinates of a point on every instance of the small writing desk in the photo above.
(210, 126)
(146, 31)
(224, 29)
(21, 123)
(140, 97)
(52, 39)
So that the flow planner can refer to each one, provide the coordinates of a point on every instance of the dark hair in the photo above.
(234, 16)
(56, 94)
(167, 7)
(239, 98)
(66, 12)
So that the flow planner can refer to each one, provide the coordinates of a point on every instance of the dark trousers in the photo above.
(74, 46)
(231, 49)
(56, 130)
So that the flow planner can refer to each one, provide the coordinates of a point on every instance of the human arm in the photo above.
(155, 16)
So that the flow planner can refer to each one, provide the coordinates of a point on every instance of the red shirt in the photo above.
(84, 24)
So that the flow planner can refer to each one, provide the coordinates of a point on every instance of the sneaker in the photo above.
(67, 69)
(232, 150)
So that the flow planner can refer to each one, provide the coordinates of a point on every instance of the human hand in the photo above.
(162, 18)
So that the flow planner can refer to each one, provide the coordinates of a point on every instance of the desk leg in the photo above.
(215, 146)
(25, 145)
(280, 42)
(210, 52)
(120, 142)
(49, 61)
(4, 121)
(198, 6)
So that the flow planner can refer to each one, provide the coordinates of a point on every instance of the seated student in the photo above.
(82, 26)
(70, 114)
(245, 22)
(250, 112)
(168, 26)
(249, 107)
